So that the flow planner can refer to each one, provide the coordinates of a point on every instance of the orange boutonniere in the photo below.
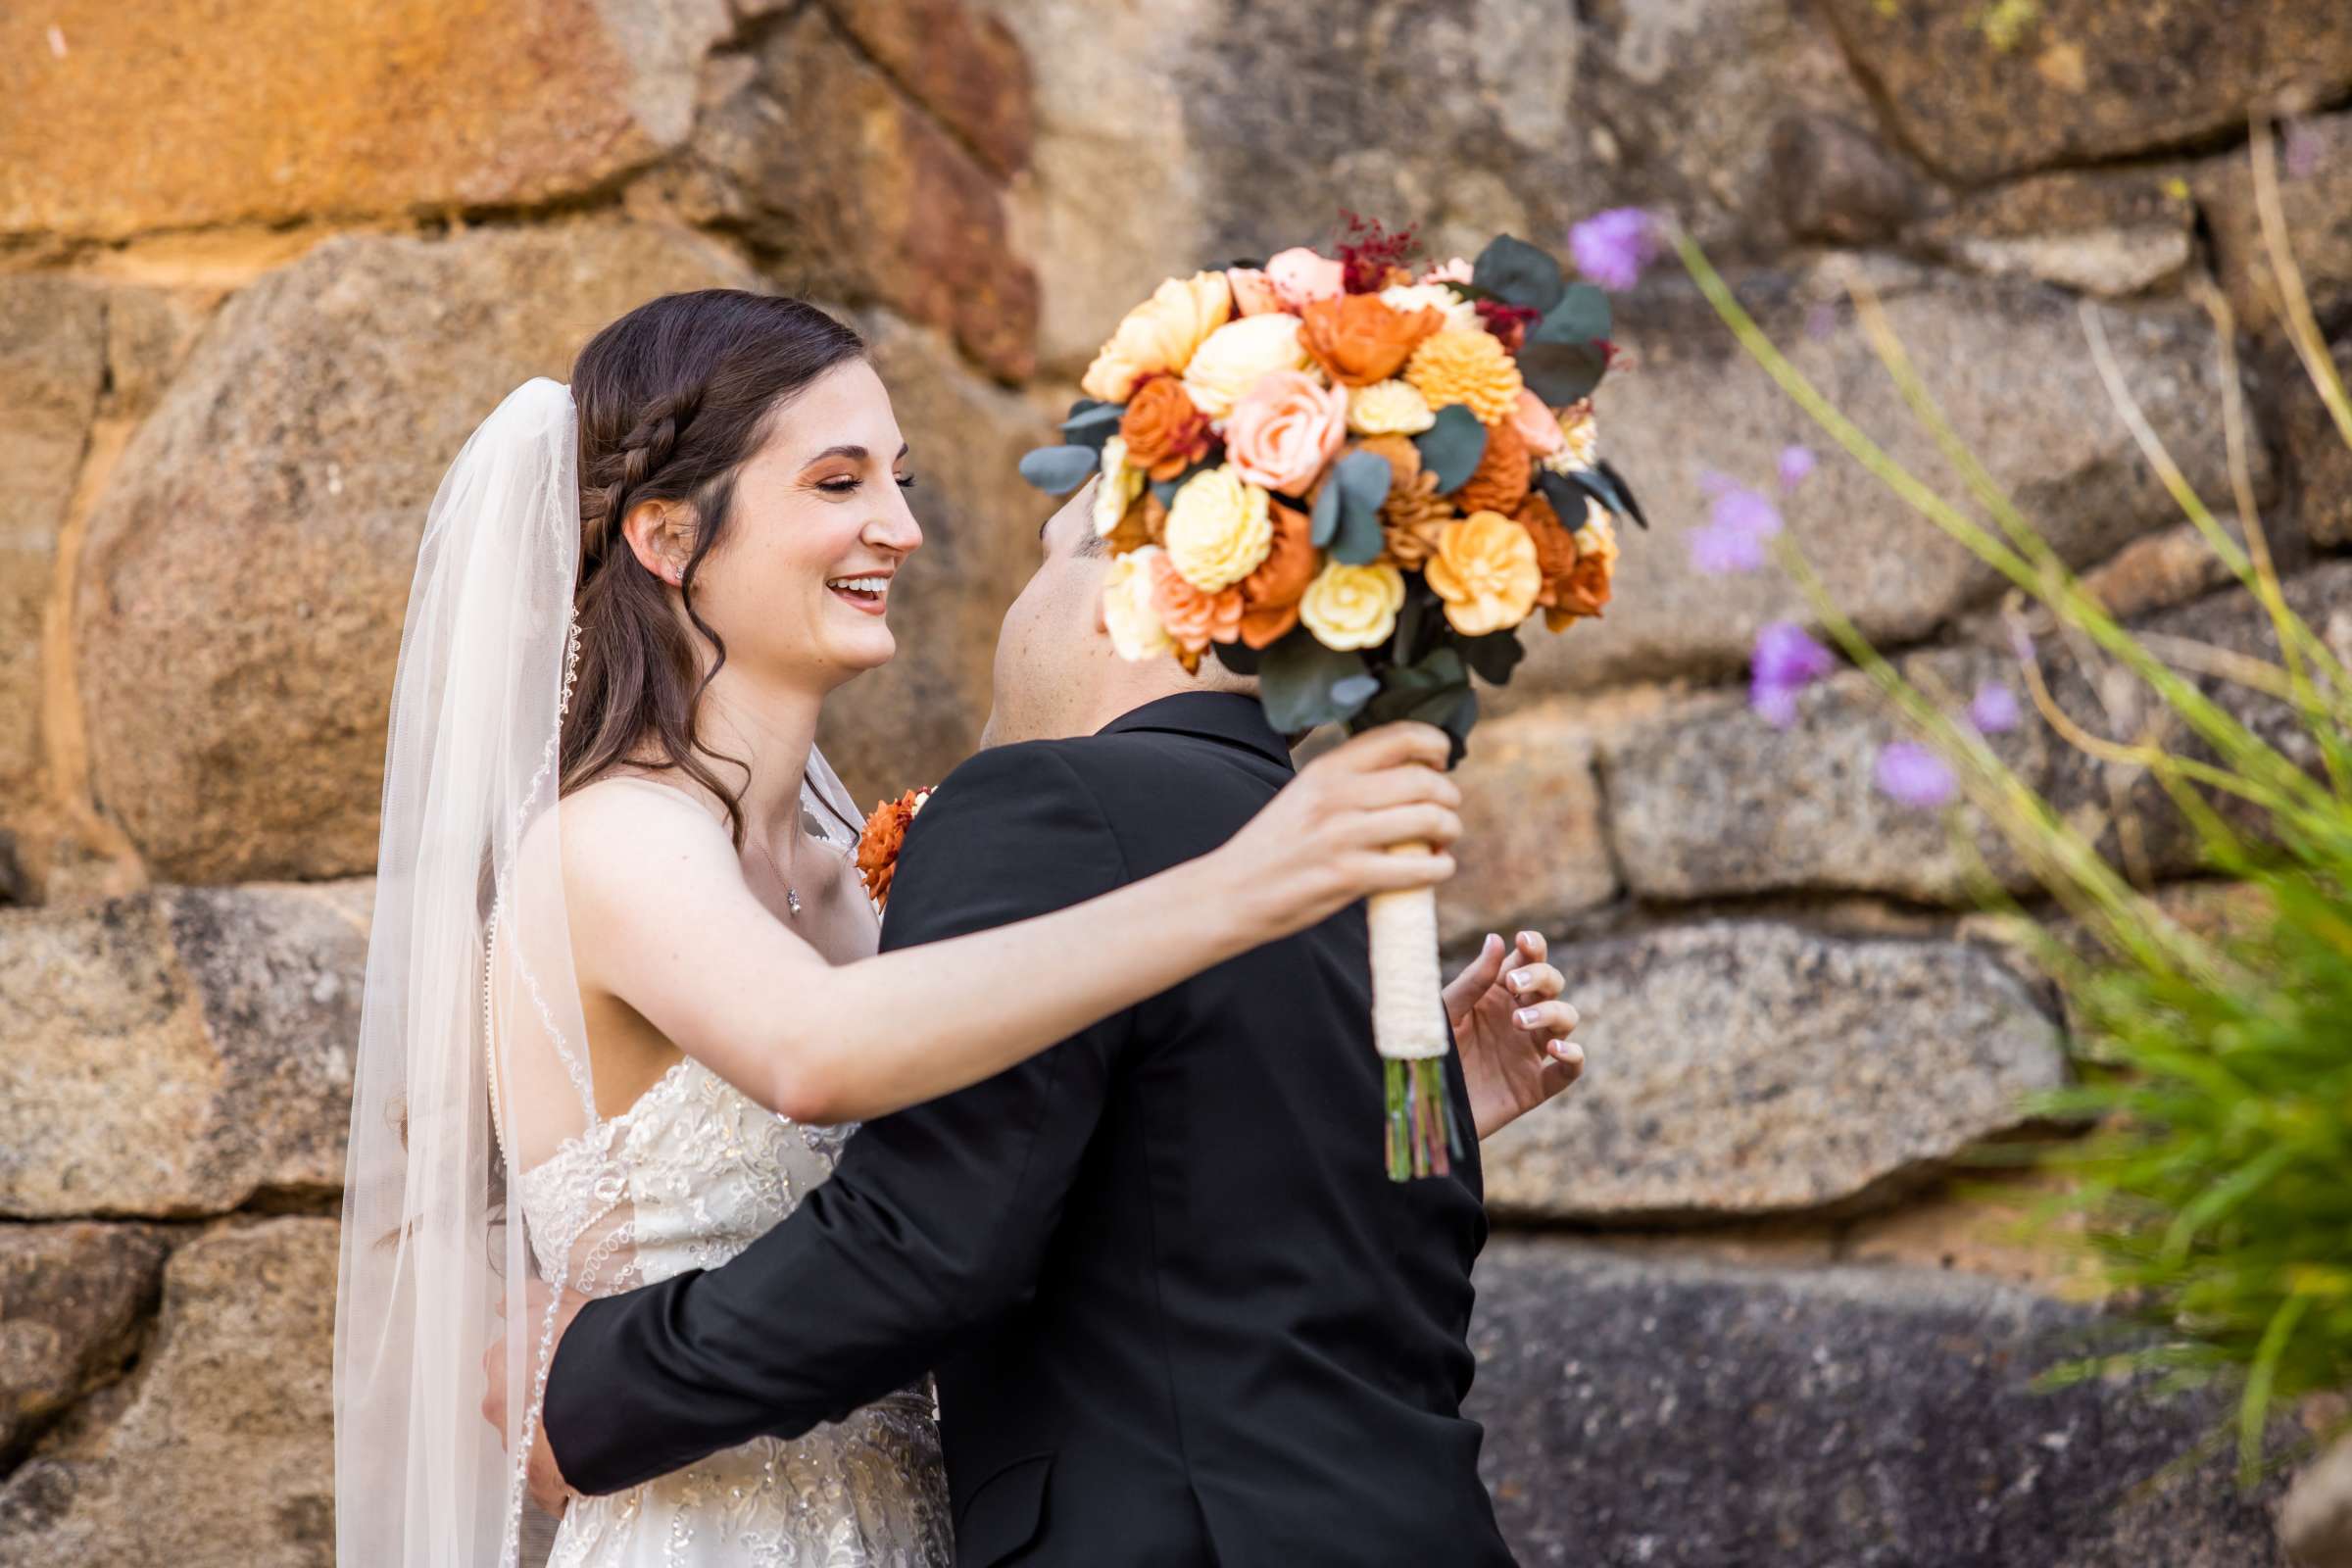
(878, 846)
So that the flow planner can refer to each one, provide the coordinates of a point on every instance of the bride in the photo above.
(605, 1043)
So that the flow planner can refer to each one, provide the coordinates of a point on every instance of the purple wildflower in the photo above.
(1786, 662)
(1915, 776)
(2301, 152)
(1994, 711)
(1611, 248)
(1797, 464)
(1737, 524)
(1821, 322)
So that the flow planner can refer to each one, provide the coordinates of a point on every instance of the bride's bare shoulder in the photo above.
(626, 835)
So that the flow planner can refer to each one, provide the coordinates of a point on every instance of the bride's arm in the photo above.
(663, 921)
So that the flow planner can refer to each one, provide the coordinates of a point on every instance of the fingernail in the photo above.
(1529, 1017)
(1522, 979)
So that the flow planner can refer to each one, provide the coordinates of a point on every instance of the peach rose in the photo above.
(1484, 570)
(1165, 434)
(1270, 595)
(1537, 425)
(1300, 275)
(1362, 340)
(1348, 607)
(1159, 335)
(1194, 619)
(1285, 429)
(1218, 530)
(1128, 613)
(1254, 293)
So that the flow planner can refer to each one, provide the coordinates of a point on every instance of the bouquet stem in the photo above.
(1408, 1029)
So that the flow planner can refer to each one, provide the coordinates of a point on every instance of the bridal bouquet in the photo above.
(1356, 480)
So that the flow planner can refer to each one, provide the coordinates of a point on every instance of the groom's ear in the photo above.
(661, 534)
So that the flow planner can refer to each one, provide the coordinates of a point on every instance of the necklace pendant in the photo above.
(792, 898)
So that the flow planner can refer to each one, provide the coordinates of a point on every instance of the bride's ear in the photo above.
(661, 534)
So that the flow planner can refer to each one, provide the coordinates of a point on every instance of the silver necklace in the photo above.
(791, 895)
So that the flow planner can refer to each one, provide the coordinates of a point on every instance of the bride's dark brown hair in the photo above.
(674, 398)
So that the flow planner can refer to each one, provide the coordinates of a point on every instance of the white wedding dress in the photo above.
(700, 1170)
(687, 1177)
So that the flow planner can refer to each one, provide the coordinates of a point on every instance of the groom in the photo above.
(1177, 1313)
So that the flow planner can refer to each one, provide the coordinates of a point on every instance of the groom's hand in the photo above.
(549, 1490)
(1512, 1029)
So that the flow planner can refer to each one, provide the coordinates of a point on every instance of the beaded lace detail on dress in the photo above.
(685, 1179)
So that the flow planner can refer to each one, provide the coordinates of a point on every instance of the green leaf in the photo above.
(1240, 657)
(1495, 656)
(1561, 373)
(1059, 471)
(1410, 618)
(1325, 521)
(1303, 683)
(1626, 504)
(1092, 422)
(1360, 481)
(1580, 316)
(1435, 691)
(1517, 272)
(1451, 447)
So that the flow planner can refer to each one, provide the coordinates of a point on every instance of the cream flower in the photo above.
(1134, 628)
(1389, 408)
(1233, 357)
(1121, 482)
(1218, 529)
(1580, 439)
(1348, 607)
(1159, 335)
(1599, 536)
(1460, 314)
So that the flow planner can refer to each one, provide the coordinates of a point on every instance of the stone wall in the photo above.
(261, 268)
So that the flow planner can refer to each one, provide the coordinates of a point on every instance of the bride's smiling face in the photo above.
(799, 584)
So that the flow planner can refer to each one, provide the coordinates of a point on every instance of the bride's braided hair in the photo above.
(674, 398)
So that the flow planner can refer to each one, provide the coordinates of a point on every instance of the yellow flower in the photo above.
(1460, 314)
(1466, 368)
(1120, 484)
(1580, 439)
(1348, 607)
(1135, 626)
(1159, 335)
(1486, 571)
(1231, 359)
(1387, 407)
(1218, 528)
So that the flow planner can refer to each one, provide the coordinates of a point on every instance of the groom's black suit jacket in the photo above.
(1178, 1313)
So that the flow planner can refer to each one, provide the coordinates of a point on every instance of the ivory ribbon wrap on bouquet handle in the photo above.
(1408, 1018)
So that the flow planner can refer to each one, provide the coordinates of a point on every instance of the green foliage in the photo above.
(1451, 447)
(2214, 1184)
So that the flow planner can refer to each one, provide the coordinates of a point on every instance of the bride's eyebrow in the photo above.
(852, 452)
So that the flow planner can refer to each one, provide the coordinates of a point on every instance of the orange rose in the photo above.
(1192, 618)
(1270, 595)
(1360, 339)
(1583, 592)
(1555, 547)
(1165, 431)
(1499, 481)
(879, 844)
(1484, 570)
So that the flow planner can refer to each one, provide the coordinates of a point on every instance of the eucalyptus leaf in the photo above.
(1324, 523)
(1519, 272)
(1360, 481)
(1624, 493)
(1059, 471)
(1356, 691)
(1240, 657)
(1092, 422)
(1410, 618)
(1300, 681)
(1581, 317)
(1561, 373)
(1567, 497)
(1495, 656)
(1451, 447)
